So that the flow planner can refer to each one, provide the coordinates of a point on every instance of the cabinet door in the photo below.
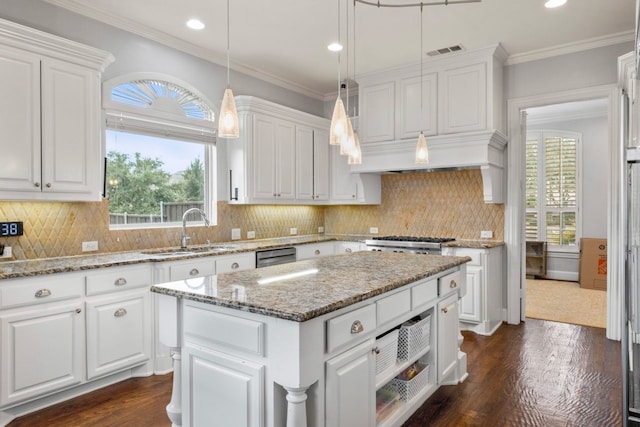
(344, 185)
(350, 389)
(19, 121)
(320, 164)
(471, 303)
(304, 163)
(463, 100)
(118, 332)
(315, 250)
(377, 110)
(70, 129)
(447, 336)
(412, 117)
(285, 168)
(264, 157)
(42, 350)
(221, 390)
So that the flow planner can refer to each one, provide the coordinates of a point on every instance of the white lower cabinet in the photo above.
(314, 250)
(348, 247)
(481, 307)
(237, 398)
(350, 396)
(120, 328)
(448, 339)
(42, 350)
(194, 267)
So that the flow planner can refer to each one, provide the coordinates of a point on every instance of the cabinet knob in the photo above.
(194, 272)
(317, 252)
(453, 284)
(41, 293)
(445, 310)
(235, 265)
(376, 350)
(78, 310)
(348, 250)
(36, 184)
(353, 196)
(120, 281)
(356, 327)
(120, 312)
(48, 185)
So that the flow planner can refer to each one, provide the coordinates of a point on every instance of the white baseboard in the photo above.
(568, 276)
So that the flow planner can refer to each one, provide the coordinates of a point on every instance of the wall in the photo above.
(438, 204)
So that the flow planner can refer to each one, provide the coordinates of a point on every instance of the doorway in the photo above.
(514, 210)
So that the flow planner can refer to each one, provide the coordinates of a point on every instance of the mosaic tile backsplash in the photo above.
(448, 203)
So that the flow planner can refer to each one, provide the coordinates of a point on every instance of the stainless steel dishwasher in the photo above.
(268, 257)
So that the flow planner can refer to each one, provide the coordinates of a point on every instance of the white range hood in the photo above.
(484, 150)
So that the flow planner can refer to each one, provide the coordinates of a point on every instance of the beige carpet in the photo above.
(566, 302)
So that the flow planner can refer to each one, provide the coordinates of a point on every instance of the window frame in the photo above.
(542, 209)
(122, 117)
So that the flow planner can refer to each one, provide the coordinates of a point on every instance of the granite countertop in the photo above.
(35, 267)
(322, 285)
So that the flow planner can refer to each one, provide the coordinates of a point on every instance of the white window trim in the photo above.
(131, 119)
(540, 133)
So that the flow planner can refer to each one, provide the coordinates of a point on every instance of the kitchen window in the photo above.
(553, 193)
(160, 152)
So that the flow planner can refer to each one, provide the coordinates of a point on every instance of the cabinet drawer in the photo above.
(192, 268)
(393, 306)
(351, 328)
(449, 283)
(226, 264)
(315, 250)
(423, 293)
(118, 279)
(43, 289)
(224, 332)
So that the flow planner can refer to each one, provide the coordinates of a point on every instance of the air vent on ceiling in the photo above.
(445, 50)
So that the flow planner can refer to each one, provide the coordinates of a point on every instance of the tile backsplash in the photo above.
(444, 203)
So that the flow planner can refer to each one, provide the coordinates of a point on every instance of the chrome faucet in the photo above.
(186, 238)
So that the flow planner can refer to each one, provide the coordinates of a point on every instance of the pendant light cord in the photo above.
(228, 37)
(347, 53)
(354, 49)
(421, 78)
(339, 41)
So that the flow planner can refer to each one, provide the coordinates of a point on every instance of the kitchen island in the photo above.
(309, 343)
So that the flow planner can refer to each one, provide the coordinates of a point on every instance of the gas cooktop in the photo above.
(408, 241)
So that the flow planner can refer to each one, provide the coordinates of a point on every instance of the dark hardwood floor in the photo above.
(539, 373)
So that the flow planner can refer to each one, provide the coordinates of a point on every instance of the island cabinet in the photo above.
(370, 362)
(481, 307)
(50, 129)
(456, 93)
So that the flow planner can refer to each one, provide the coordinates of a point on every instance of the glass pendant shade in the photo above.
(355, 157)
(338, 123)
(347, 141)
(422, 153)
(228, 126)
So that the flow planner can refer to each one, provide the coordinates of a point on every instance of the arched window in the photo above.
(160, 151)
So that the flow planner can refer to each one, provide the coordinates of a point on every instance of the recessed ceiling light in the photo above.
(554, 3)
(335, 47)
(195, 24)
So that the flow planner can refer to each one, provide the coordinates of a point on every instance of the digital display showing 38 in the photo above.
(8, 229)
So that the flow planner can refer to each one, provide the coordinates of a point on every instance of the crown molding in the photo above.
(181, 45)
(564, 49)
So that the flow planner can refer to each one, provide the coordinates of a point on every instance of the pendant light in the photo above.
(355, 156)
(228, 126)
(339, 118)
(422, 152)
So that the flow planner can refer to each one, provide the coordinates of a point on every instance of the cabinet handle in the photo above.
(41, 293)
(356, 327)
(48, 185)
(376, 350)
(348, 250)
(120, 312)
(317, 252)
(353, 196)
(445, 310)
(120, 281)
(235, 265)
(78, 310)
(36, 184)
(194, 272)
(453, 284)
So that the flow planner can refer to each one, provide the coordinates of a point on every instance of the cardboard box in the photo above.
(593, 263)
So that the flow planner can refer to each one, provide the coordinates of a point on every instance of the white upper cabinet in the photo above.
(50, 134)
(459, 93)
(312, 164)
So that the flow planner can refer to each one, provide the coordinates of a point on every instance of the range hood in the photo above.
(483, 150)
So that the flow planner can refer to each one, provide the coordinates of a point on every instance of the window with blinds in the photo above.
(552, 188)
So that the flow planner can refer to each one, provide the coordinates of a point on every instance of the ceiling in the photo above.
(285, 41)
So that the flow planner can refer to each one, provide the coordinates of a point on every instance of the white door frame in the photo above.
(514, 209)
